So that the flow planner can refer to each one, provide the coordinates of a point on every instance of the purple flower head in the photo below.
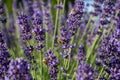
(3, 19)
(81, 54)
(40, 46)
(65, 33)
(28, 6)
(36, 7)
(108, 10)
(53, 73)
(25, 28)
(39, 34)
(52, 62)
(37, 20)
(37, 16)
(47, 17)
(97, 8)
(38, 30)
(1, 8)
(85, 72)
(28, 51)
(51, 59)
(19, 69)
(64, 38)
(58, 6)
(75, 16)
(4, 57)
(109, 53)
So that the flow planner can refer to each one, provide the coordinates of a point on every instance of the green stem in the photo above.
(60, 15)
(101, 71)
(41, 64)
(73, 76)
(55, 29)
(74, 72)
(70, 52)
(92, 47)
(45, 26)
(82, 38)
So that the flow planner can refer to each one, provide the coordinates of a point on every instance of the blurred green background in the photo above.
(53, 2)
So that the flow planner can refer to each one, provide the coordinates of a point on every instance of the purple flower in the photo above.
(85, 72)
(39, 34)
(47, 17)
(58, 6)
(81, 54)
(25, 27)
(28, 52)
(75, 16)
(38, 30)
(52, 62)
(40, 46)
(28, 6)
(4, 57)
(1, 8)
(109, 54)
(53, 73)
(19, 69)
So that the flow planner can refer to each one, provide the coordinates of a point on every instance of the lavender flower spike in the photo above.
(4, 57)
(52, 63)
(19, 69)
(84, 71)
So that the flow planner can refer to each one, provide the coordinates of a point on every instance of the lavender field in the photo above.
(59, 39)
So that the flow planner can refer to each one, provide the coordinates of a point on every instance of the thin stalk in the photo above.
(61, 14)
(41, 65)
(73, 76)
(55, 29)
(70, 52)
(95, 42)
(85, 30)
(92, 47)
(75, 72)
(101, 71)
(46, 33)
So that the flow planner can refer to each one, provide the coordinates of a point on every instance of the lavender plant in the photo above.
(4, 57)
(19, 69)
(60, 40)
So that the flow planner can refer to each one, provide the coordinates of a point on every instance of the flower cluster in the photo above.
(26, 35)
(73, 23)
(47, 17)
(19, 69)
(52, 62)
(28, 52)
(109, 53)
(24, 27)
(97, 7)
(28, 4)
(4, 57)
(38, 30)
(81, 54)
(45, 27)
(75, 16)
(1, 8)
(84, 71)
